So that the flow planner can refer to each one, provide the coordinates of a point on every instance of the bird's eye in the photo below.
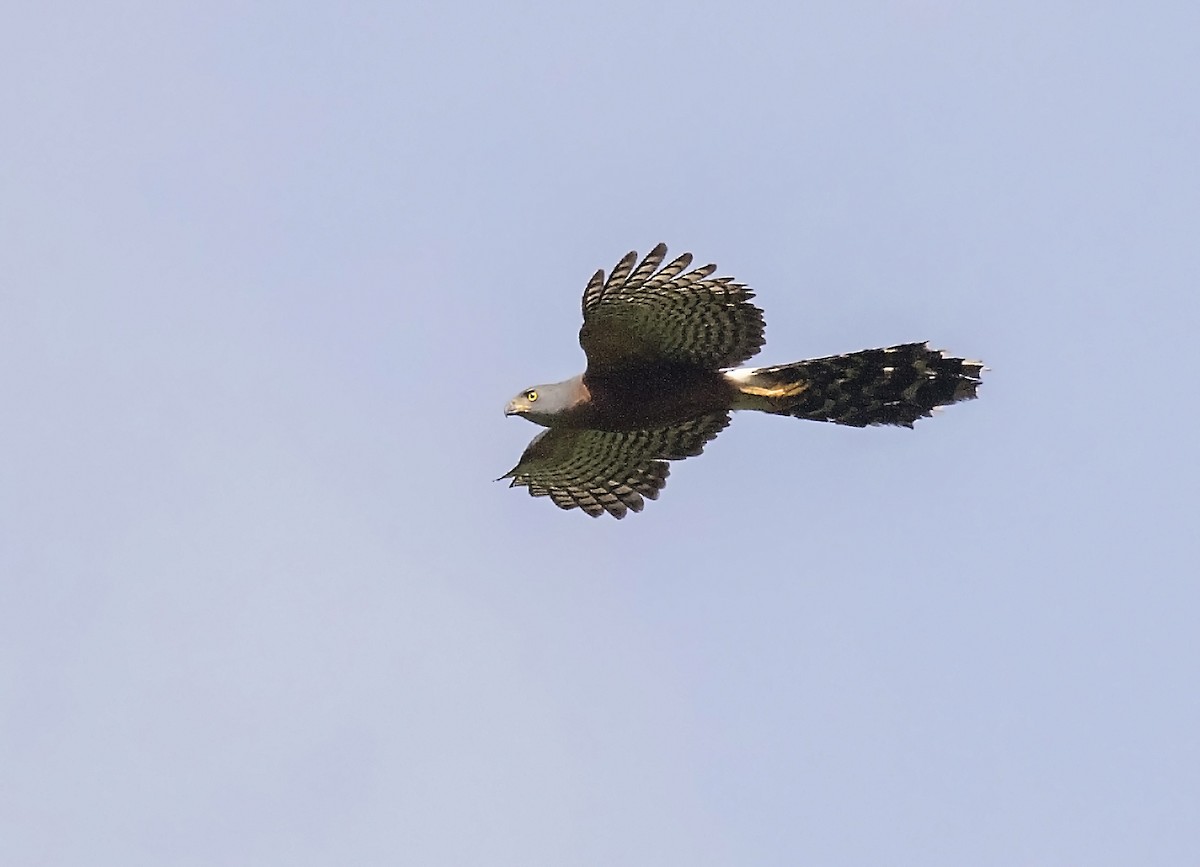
(531, 395)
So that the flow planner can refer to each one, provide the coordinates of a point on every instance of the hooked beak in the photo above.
(513, 408)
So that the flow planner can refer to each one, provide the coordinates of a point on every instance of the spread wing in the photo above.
(644, 314)
(606, 471)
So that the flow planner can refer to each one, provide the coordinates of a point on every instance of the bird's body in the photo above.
(645, 397)
(664, 349)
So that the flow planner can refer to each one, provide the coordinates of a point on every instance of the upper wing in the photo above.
(604, 471)
(644, 315)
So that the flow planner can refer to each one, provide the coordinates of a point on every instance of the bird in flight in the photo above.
(663, 347)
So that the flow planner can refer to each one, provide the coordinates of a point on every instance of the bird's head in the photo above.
(542, 404)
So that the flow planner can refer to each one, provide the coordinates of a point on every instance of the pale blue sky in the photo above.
(269, 272)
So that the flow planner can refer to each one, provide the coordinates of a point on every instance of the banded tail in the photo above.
(896, 385)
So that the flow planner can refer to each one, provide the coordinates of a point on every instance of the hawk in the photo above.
(663, 347)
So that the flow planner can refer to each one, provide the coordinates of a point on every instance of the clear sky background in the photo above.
(270, 271)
